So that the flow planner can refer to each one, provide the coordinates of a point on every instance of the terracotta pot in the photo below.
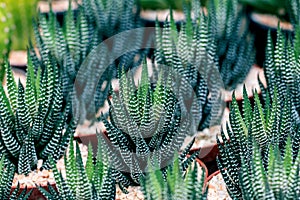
(259, 25)
(18, 59)
(212, 175)
(148, 17)
(208, 155)
(92, 139)
(87, 139)
(36, 194)
(59, 8)
(203, 166)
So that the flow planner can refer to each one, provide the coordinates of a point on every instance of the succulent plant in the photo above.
(234, 45)
(32, 120)
(94, 180)
(146, 126)
(262, 129)
(191, 55)
(178, 185)
(282, 72)
(70, 45)
(22, 14)
(280, 180)
(7, 172)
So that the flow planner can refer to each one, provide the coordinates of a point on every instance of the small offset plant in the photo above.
(282, 71)
(178, 185)
(146, 127)
(7, 172)
(22, 14)
(191, 55)
(258, 136)
(89, 181)
(69, 46)
(32, 120)
(233, 43)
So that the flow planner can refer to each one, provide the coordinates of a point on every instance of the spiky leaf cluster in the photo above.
(94, 180)
(178, 185)
(146, 126)
(282, 71)
(32, 120)
(234, 45)
(268, 126)
(7, 172)
(69, 45)
(279, 180)
(191, 54)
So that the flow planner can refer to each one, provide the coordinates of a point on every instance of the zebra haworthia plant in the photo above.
(190, 53)
(279, 180)
(234, 45)
(83, 181)
(7, 172)
(282, 71)
(80, 36)
(178, 185)
(258, 131)
(146, 126)
(32, 120)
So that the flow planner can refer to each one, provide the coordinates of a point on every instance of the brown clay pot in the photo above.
(208, 155)
(36, 194)
(212, 175)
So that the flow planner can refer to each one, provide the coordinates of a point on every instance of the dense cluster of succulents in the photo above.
(146, 126)
(92, 180)
(233, 42)
(178, 185)
(148, 121)
(266, 130)
(32, 120)
(279, 180)
(282, 72)
(190, 54)
(79, 36)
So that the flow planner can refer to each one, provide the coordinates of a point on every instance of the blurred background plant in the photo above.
(22, 12)
(276, 7)
(5, 33)
(285, 10)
